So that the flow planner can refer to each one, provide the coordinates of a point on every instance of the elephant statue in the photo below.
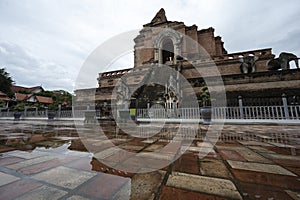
(248, 64)
(283, 61)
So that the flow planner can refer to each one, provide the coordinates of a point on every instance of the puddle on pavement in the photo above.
(257, 148)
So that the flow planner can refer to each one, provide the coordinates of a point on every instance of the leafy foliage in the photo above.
(204, 98)
(5, 82)
(2, 104)
(59, 97)
(23, 92)
(19, 107)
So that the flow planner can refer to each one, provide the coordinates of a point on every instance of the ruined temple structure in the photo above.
(245, 74)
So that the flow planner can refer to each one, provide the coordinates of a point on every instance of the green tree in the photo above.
(6, 82)
(204, 98)
(59, 97)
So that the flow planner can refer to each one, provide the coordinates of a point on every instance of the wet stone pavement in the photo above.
(48, 160)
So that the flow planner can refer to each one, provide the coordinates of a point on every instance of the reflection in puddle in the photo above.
(258, 158)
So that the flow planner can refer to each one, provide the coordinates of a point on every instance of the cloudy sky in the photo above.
(45, 42)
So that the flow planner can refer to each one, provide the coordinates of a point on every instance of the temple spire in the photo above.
(159, 17)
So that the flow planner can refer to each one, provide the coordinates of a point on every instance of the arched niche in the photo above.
(167, 51)
(167, 44)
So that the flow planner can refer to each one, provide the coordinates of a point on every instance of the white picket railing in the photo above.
(44, 114)
(248, 112)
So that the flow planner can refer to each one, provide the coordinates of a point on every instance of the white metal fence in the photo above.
(247, 113)
(44, 114)
(257, 112)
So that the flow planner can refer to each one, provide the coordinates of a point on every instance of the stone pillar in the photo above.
(285, 106)
(241, 107)
(156, 55)
(160, 60)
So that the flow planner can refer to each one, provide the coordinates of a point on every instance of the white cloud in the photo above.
(46, 42)
(28, 70)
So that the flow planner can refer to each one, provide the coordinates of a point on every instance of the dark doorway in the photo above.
(167, 51)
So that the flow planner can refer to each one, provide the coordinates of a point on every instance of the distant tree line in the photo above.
(61, 97)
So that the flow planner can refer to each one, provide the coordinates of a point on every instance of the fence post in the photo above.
(175, 110)
(241, 107)
(59, 110)
(25, 111)
(72, 112)
(148, 109)
(285, 107)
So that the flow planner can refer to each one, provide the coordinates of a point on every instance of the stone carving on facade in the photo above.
(172, 95)
(283, 61)
(122, 94)
(248, 64)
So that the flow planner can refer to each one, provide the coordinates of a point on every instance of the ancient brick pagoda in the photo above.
(246, 74)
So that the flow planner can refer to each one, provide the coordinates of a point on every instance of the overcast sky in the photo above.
(46, 42)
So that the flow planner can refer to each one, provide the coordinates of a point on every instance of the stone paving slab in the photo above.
(30, 162)
(272, 180)
(251, 156)
(141, 189)
(208, 185)
(77, 197)
(282, 145)
(17, 188)
(180, 194)
(204, 144)
(231, 155)
(259, 167)
(64, 177)
(106, 153)
(282, 157)
(36, 168)
(102, 142)
(214, 168)
(149, 141)
(7, 178)
(156, 155)
(154, 147)
(187, 163)
(130, 147)
(9, 160)
(202, 149)
(44, 192)
(82, 163)
(260, 149)
(256, 191)
(27, 155)
(107, 187)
